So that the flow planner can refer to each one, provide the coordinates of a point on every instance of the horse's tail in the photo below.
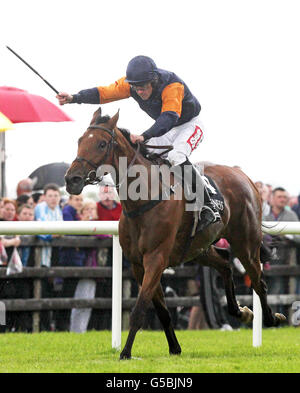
(265, 253)
(270, 227)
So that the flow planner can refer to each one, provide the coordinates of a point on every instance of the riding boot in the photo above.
(208, 212)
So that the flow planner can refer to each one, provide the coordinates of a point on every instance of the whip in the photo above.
(32, 69)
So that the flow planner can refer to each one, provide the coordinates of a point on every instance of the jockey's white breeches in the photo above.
(184, 139)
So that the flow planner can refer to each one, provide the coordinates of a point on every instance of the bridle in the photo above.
(92, 177)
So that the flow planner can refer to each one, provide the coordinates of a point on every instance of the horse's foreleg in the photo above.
(165, 319)
(153, 269)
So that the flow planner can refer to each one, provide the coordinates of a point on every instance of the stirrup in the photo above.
(209, 215)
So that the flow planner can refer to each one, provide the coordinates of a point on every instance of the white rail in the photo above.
(59, 227)
(111, 227)
(81, 228)
(108, 227)
(281, 227)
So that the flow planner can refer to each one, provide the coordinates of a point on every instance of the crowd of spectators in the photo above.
(277, 205)
(50, 206)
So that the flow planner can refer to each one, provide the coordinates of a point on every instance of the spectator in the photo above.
(25, 186)
(264, 194)
(270, 188)
(26, 213)
(38, 197)
(293, 201)
(9, 289)
(48, 210)
(107, 208)
(24, 199)
(25, 286)
(279, 202)
(282, 246)
(69, 256)
(259, 185)
(86, 288)
(1, 207)
(266, 208)
(296, 207)
(8, 214)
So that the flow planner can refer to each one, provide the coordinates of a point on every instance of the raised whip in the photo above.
(32, 69)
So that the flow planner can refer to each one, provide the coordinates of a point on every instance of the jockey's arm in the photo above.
(98, 95)
(163, 124)
(172, 97)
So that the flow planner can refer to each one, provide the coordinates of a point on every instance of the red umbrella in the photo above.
(21, 107)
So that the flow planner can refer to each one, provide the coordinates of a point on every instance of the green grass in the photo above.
(202, 351)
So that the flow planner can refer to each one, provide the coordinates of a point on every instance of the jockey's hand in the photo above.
(136, 138)
(64, 98)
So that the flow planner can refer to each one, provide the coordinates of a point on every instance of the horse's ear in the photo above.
(113, 121)
(96, 115)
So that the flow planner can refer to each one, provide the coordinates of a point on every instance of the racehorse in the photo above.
(153, 234)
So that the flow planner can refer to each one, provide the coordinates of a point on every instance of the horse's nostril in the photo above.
(73, 180)
(76, 180)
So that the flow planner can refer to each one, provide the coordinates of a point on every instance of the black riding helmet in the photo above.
(141, 69)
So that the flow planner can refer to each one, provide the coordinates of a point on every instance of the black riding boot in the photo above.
(209, 213)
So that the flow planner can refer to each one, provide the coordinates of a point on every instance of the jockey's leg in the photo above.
(186, 139)
(208, 212)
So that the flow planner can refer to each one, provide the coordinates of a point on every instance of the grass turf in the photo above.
(202, 351)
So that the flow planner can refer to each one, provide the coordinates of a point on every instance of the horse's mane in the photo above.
(126, 133)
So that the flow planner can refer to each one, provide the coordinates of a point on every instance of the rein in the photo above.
(92, 177)
(167, 148)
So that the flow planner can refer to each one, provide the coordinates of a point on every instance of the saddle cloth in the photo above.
(214, 192)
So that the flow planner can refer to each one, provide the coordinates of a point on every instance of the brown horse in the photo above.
(153, 235)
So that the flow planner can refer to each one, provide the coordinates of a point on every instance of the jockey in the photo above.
(167, 100)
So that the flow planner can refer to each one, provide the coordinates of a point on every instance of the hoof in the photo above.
(125, 356)
(246, 315)
(280, 318)
(175, 351)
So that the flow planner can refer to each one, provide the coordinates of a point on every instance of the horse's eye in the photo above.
(102, 145)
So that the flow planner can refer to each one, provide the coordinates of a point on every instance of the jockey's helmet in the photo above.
(140, 69)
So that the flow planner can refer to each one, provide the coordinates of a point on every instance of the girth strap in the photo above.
(142, 209)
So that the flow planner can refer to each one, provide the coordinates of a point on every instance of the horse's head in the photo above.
(95, 148)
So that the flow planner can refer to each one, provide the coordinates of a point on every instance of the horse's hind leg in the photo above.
(165, 319)
(213, 259)
(251, 262)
